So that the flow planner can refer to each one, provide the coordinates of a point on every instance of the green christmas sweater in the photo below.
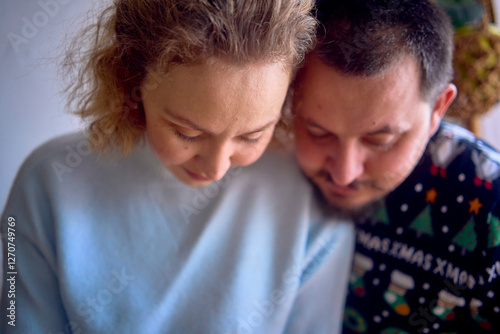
(429, 261)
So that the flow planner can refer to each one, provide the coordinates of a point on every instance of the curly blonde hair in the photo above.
(110, 59)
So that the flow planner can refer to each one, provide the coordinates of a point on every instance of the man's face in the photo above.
(357, 138)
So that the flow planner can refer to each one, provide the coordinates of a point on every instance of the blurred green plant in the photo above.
(462, 12)
(476, 60)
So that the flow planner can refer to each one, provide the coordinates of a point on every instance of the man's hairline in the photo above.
(429, 97)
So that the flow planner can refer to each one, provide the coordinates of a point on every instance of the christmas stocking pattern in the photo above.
(361, 265)
(443, 151)
(445, 305)
(486, 169)
(394, 295)
(474, 306)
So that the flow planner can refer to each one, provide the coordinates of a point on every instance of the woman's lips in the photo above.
(195, 176)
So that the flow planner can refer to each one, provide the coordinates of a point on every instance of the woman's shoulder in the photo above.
(66, 149)
(58, 145)
(68, 161)
(38, 175)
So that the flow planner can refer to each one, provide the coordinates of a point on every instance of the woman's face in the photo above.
(203, 119)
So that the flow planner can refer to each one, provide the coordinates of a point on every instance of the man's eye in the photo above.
(317, 133)
(382, 143)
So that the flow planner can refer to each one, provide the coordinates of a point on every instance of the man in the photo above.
(367, 110)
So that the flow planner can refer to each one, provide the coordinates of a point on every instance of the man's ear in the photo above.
(443, 101)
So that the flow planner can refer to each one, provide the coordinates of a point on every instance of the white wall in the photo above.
(30, 106)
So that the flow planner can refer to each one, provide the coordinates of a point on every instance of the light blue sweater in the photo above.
(109, 245)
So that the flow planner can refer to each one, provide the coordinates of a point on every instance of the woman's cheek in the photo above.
(168, 150)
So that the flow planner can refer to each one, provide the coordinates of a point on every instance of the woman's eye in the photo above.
(182, 136)
(251, 140)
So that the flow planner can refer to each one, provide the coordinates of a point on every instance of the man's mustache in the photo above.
(355, 185)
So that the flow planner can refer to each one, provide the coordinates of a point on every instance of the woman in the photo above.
(183, 90)
(154, 62)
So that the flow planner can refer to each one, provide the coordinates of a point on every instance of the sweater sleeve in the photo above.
(30, 293)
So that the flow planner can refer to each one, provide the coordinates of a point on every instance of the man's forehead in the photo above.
(318, 80)
(356, 105)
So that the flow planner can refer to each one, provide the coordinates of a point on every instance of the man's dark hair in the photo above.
(366, 37)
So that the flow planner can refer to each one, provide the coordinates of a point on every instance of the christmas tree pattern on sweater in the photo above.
(429, 261)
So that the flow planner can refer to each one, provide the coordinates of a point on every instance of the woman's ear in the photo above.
(443, 101)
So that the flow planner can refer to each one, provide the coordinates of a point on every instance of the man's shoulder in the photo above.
(462, 137)
(455, 150)
(458, 175)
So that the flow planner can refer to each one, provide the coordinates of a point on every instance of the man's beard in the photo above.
(358, 214)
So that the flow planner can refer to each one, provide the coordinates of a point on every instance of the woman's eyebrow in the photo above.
(186, 121)
(262, 128)
(195, 126)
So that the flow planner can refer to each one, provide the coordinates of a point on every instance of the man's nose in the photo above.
(345, 163)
